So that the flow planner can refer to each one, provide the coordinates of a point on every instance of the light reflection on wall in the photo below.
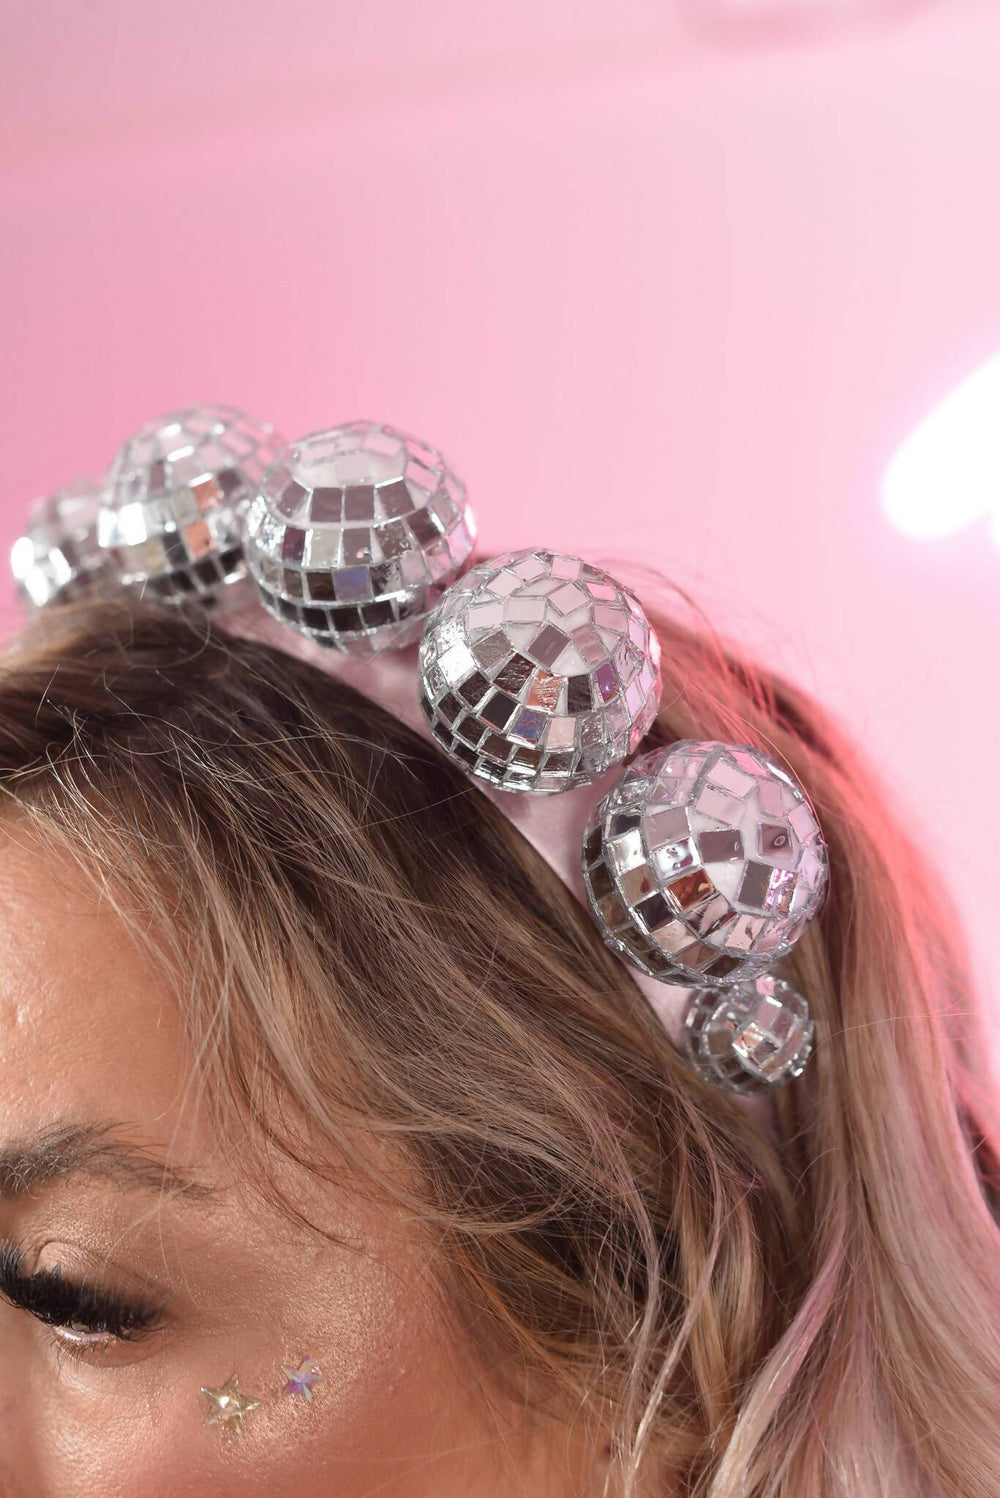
(946, 475)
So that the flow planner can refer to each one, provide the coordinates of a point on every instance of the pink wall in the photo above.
(657, 291)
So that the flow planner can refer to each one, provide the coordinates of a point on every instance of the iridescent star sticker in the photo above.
(227, 1406)
(302, 1378)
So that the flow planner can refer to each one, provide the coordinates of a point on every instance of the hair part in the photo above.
(353, 928)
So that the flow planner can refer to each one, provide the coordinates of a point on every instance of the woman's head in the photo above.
(386, 1101)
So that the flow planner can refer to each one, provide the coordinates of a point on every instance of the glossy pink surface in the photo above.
(660, 291)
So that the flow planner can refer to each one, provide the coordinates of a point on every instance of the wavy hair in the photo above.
(350, 923)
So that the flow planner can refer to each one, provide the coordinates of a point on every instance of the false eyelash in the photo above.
(53, 1298)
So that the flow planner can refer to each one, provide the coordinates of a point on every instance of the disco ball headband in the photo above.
(701, 863)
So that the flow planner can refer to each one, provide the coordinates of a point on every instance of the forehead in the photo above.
(91, 1032)
(87, 1028)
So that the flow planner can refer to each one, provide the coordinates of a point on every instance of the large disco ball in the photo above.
(539, 672)
(704, 863)
(354, 535)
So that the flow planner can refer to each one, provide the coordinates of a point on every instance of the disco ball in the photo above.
(172, 518)
(57, 558)
(704, 863)
(749, 1037)
(539, 672)
(354, 535)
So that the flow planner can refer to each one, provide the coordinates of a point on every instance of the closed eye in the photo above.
(82, 1310)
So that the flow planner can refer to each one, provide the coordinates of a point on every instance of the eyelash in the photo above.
(86, 1316)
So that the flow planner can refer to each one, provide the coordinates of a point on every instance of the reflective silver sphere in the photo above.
(750, 1037)
(176, 492)
(704, 863)
(58, 558)
(355, 534)
(539, 672)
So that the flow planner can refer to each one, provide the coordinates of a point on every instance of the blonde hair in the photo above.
(349, 921)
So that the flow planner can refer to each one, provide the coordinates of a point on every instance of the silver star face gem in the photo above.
(539, 672)
(228, 1406)
(172, 518)
(704, 864)
(302, 1379)
(58, 557)
(750, 1037)
(355, 534)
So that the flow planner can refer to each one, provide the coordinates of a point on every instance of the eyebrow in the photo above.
(89, 1150)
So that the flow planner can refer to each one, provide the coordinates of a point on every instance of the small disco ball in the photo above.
(176, 491)
(704, 863)
(58, 558)
(751, 1036)
(539, 672)
(354, 535)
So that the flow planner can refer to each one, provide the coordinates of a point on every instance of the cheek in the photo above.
(390, 1416)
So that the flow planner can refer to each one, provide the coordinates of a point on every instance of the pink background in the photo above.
(660, 285)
